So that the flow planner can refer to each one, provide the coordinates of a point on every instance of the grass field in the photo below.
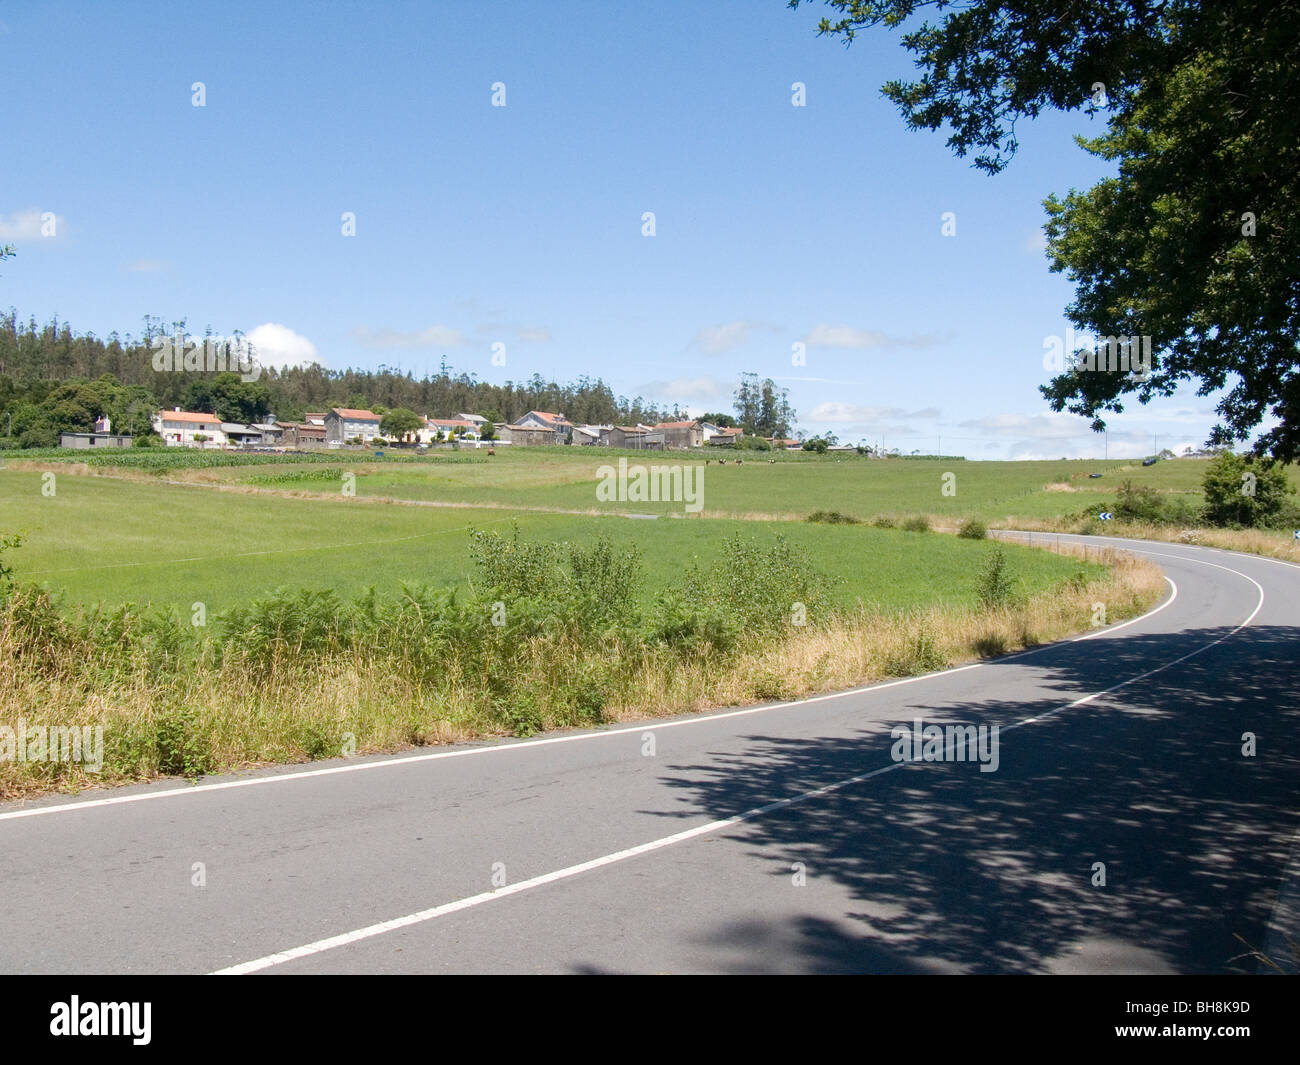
(147, 526)
(325, 668)
(792, 485)
(106, 539)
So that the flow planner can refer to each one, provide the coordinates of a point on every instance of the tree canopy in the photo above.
(1192, 242)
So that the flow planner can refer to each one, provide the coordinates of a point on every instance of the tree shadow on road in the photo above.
(951, 869)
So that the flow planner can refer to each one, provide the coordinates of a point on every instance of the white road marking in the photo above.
(538, 881)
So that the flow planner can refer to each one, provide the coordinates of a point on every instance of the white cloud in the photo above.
(436, 336)
(27, 227)
(534, 334)
(715, 339)
(279, 346)
(846, 336)
(1036, 242)
(1051, 426)
(147, 266)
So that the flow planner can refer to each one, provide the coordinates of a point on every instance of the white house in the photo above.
(439, 428)
(183, 428)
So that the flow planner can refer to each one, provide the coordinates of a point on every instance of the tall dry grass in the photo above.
(178, 705)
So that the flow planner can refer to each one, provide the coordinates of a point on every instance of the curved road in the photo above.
(774, 838)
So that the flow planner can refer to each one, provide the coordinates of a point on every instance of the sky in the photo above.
(780, 232)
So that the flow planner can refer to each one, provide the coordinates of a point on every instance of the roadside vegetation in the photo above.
(547, 635)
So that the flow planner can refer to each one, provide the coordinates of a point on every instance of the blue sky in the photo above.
(522, 225)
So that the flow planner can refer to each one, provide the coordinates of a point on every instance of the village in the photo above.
(342, 427)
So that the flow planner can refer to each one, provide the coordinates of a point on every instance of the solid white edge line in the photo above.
(370, 931)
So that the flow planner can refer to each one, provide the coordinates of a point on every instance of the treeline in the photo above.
(54, 380)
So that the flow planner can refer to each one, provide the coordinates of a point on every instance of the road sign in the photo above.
(1296, 535)
(1105, 515)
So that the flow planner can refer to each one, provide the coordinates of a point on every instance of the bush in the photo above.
(973, 529)
(1136, 503)
(758, 586)
(181, 749)
(816, 444)
(690, 627)
(993, 585)
(832, 517)
(916, 523)
(515, 568)
(883, 521)
(752, 443)
(1243, 491)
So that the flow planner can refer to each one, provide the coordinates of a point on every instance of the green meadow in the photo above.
(178, 527)
(792, 485)
(103, 539)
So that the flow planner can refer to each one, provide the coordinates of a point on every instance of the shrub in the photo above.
(916, 523)
(883, 521)
(690, 627)
(605, 579)
(993, 585)
(180, 747)
(522, 714)
(973, 529)
(1243, 491)
(759, 586)
(1139, 503)
(515, 568)
(832, 517)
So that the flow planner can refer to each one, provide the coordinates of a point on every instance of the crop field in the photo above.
(112, 540)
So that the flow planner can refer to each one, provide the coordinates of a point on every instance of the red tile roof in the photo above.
(187, 416)
(355, 415)
(677, 425)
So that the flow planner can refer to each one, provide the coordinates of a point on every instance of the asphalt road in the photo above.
(779, 838)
